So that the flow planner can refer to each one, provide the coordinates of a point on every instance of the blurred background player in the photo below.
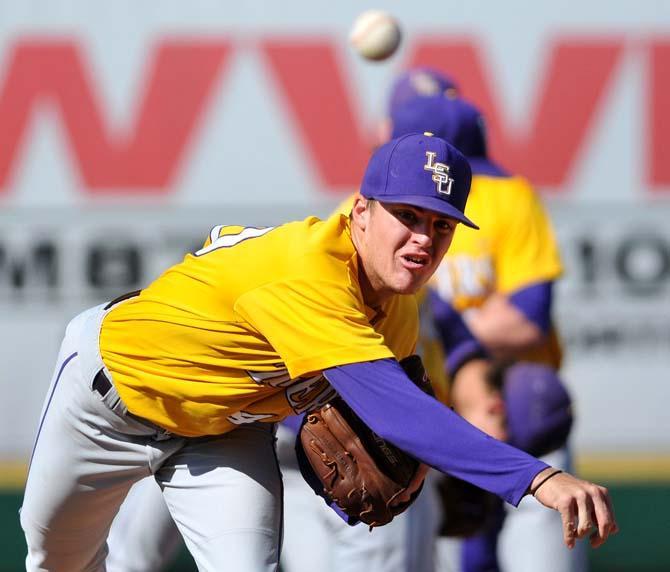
(420, 81)
(411, 535)
(501, 282)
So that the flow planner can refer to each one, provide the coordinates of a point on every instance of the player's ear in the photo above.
(360, 212)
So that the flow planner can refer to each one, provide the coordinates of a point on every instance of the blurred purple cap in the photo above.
(452, 118)
(422, 171)
(539, 409)
(419, 81)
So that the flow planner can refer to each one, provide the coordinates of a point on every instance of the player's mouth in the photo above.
(415, 261)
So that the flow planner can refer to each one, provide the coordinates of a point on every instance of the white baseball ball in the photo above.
(375, 35)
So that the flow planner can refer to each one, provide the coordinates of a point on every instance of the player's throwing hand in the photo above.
(584, 506)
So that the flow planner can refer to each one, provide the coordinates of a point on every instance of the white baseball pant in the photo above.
(224, 493)
(143, 537)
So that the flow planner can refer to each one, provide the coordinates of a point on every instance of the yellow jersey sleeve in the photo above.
(312, 324)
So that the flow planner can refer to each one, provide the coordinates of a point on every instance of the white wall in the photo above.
(247, 159)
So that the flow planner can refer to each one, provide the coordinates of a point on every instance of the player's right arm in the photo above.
(392, 406)
(585, 508)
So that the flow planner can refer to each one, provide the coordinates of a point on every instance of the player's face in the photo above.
(400, 246)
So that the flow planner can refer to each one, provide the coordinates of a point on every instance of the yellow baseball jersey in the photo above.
(514, 248)
(241, 330)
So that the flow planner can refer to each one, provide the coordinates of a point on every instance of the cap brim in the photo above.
(431, 204)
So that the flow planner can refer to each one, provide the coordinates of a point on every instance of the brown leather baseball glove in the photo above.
(369, 478)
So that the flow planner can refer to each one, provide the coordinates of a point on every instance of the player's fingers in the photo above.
(601, 532)
(584, 511)
(596, 539)
(605, 513)
(569, 518)
(604, 516)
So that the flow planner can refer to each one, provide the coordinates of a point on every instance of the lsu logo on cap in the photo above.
(440, 173)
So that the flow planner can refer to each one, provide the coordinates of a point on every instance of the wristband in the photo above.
(533, 491)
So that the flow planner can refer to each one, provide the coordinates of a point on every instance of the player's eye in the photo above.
(405, 216)
(444, 226)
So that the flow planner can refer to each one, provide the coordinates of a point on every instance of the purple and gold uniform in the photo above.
(244, 346)
(514, 249)
(257, 324)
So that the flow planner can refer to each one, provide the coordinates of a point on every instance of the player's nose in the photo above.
(423, 233)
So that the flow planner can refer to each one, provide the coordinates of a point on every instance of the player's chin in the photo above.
(410, 282)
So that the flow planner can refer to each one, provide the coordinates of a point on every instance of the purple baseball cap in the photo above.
(420, 170)
(452, 118)
(539, 408)
(419, 82)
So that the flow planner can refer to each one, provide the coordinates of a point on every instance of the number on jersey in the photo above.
(223, 236)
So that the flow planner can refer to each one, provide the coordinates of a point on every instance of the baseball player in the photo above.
(186, 379)
(144, 538)
(500, 280)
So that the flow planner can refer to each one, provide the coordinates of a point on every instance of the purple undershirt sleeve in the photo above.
(393, 407)
(534, 302)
